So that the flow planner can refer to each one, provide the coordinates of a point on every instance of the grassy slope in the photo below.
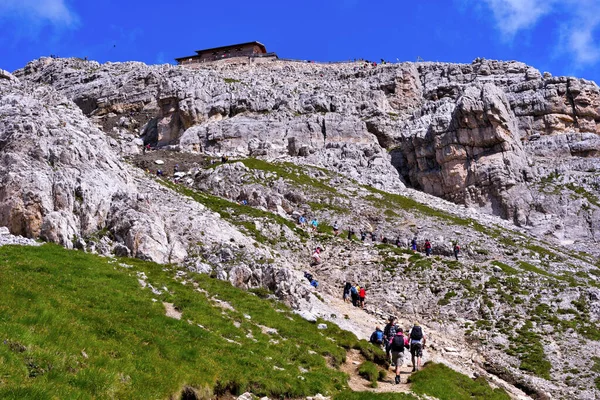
(74, 325)
(446, 384)
(57, 305)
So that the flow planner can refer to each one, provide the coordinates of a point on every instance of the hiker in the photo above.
(347, 292)
(363, 236)
(389, 331)
(315, 224)
(336, 229)
(316, 256)
(302, 220)
(350, 233)
(224, 159)
(377, 336)
(413, 244)
(176, 168)
(362, 293)
(373, 237)
(308, 276)
(314, 283)
(397, 345)
(417, 343)
(354, 295)
(456, 249)
(427, 247)
(398, 242)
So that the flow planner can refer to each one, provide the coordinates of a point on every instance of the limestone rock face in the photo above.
(482, 134)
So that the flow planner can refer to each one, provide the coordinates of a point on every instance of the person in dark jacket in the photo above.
(389, 331)
(347, 288)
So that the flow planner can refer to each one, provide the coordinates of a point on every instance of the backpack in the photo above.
(353, 290)
(397, 343)
(416, 333)
(378, 337)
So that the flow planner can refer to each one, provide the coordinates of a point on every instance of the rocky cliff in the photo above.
(493, 155)
(489, 135)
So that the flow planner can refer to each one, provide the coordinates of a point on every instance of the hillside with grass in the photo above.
(75, 325)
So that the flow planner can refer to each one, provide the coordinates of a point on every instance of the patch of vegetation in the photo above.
(446, 299)
(543, 251)
(75, 325)
(524, 265)
(441, 382)
(596, 367)
(580, 321)
(584, 193)
(231, 80)
(507, 269)
(369, 371)
(393, 201)
(292, 173)
(526, 345)
(231, 211)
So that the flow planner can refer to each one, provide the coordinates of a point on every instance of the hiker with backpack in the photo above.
(389, 331)
(377, 336)
(354, 295)
(427, 248)
(347, 291)
(456, 250)
(397, 345)
(362, 293)
(417, 343)
(336, 229)
(413, 244)
(350, 233)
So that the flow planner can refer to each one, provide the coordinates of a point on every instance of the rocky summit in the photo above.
(210, 168)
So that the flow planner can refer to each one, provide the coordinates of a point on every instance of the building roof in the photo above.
(262, 47)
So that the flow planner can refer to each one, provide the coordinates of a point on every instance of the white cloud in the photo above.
(578, 21)
(39, 12)
(515, 15)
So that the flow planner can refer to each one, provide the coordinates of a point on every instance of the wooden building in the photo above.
(249, 49)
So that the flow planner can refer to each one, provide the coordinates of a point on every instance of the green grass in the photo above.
(369, 371)
(507, 269)
(292, 173)
(74, 325)
(446, 299)
(524, 265)
(240, 215)
(443, 383)
(392, 201)
(527, 346)
(596, 367)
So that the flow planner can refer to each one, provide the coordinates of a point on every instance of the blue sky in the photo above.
(558, 36)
